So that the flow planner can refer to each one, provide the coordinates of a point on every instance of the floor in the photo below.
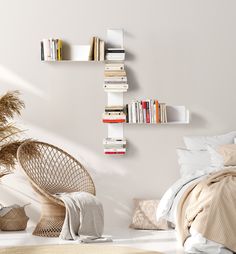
(162, 241)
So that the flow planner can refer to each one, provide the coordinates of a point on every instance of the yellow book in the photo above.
(59, 52)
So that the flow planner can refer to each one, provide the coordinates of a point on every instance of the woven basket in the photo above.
(14, 220)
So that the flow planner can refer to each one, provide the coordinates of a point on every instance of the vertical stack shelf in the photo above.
(115, 143)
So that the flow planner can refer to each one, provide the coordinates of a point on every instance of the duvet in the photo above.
(209, 207)
(206, 204)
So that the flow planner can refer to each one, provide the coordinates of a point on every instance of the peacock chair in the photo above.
(51, 170)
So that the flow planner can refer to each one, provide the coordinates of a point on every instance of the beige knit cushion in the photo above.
(228, 153)
(145, 215)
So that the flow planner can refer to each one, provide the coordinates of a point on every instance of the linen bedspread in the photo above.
(209, 206)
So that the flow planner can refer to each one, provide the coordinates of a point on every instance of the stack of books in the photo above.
(146, 111)
(114, 145)
(97, 49)
(51, 49)
(115, 78)
(114, 114)
(115, 54)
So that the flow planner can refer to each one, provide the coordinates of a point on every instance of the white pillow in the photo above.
(201, 142)
(217, 160)
(234, 140)
(191, 161)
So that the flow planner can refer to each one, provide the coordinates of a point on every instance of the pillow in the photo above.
(201, 142)
(191, 161)
(216, 159)
(224, 155)
(144, 216)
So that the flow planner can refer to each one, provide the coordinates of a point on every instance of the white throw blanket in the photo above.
(84, 215)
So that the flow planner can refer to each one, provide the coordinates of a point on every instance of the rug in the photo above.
(74, 249)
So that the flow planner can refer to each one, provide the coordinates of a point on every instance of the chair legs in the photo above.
(52, 219)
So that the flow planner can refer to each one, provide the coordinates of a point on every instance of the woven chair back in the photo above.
(52, 170)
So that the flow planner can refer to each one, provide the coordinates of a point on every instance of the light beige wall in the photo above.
(181, 52)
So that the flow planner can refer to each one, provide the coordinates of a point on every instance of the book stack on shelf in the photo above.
(114, 145)
(115, 78)
(115, 54)
(146, 111)
(51, 49)
(97, 49)
(114, 114)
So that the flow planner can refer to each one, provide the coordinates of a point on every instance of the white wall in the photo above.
(181, 52)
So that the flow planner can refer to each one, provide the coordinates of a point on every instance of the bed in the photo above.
(201, 205)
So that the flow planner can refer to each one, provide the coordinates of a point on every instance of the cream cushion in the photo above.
(228, 152)
(144, 216)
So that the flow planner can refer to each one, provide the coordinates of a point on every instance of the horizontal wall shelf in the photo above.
(170, 123)
(72, 61)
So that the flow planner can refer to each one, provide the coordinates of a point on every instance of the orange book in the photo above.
(157, 111)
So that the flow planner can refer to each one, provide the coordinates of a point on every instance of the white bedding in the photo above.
(167, 209)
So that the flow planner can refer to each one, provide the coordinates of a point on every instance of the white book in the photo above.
(115, 58)
(140, 112)
(116, 85)
(52, 49)
(102, 50)
(115, 150)
(154, 112)
(114, 67)
(46, 49)
(134, 119)
(129, 113)
(114, 117)
(137, 112)
(120, 141)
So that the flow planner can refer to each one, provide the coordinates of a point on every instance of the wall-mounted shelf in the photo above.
(56, 50)
(115, 84)
(63, 61)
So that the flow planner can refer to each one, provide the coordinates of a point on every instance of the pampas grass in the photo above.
(10, 105)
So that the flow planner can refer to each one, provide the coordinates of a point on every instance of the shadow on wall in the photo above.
(197, 121)
(12, 78)
(132, 79)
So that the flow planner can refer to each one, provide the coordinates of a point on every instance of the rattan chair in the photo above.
(51, 170)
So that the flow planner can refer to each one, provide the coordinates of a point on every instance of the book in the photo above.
(46, 49)
(59, 49)
(91, 52)
(113, 120)
(157, 111)
(115, 50)
(101, 50)
(114, 149)
(115, 73)
(114, 152)
(121, 141)
(117, 85)
(42, 51)
(114, 67)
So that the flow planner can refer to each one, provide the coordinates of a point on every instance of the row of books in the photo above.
(114, 145)
(115, 54)
(97, 49)
(114, 114)
(146, 111)
(51, 49)
(115, 79)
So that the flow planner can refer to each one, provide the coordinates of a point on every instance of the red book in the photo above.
(148, 112)
(144, 108)
(114, 152)
(113, 120)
